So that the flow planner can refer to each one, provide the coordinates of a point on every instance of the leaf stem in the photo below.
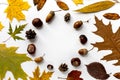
(7, 39)
(61, 78)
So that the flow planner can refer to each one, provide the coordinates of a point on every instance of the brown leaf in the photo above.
(111, 16)
(111, 40)
(62, 5)
(40, 4)
(74, 75)
(117, 75)
(36, 2)
(97, 70)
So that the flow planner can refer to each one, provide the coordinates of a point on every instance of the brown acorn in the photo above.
(38, 59)
(83, 51)
(50, 16)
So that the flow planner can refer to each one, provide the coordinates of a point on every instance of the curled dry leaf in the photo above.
(111, 16)
(62, 5)
(117, 75)
(40, 4)
(95, 7)
(97, 70)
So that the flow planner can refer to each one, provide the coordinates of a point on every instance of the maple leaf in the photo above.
(111, 41)
(44, 76)
(16, 31)
(78, 1)
(11, 61)
(14, 9)
(1, 26)
(74, 75)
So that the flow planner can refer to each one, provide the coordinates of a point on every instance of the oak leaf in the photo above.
(95, 7)
(17, 30)
(11, 61)
(78, 1)
(15, 8)
(62, 5)
(1, 26)
(38, 76)
(111, 41)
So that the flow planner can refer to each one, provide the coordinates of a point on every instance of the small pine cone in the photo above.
(30, 34)
(63, 67)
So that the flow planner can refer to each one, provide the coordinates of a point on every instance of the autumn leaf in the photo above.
(40, 4)
(38, 76)
(62, 5)
(15, 8)
(111, 40)
(78, 1)
(117, 75)
(17, 30)
(1, 26)
(74, 75)
(111, 16)
(11, 61)
(95, 7)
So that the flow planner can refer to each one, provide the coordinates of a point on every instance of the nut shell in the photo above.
(50, 16)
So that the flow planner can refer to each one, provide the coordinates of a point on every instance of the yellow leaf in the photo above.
(1, 26)
(95, 7)
(15, 8)
(78, 2)
(44, 76)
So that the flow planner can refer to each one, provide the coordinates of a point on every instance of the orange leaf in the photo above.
(40, 4)
(62, 5)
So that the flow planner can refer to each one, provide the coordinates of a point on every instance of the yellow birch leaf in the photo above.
(78, 1)
(95, 7)
(1, 26)
(15, 8)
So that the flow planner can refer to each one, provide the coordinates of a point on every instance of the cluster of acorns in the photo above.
(31, 34)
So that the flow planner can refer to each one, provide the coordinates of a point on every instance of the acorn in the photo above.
(50, 16)
(78, 24)
(83, 51)
(38, 59)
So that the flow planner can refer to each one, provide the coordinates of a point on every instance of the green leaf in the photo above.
(95, 7)
(11, 61)
(16, 31)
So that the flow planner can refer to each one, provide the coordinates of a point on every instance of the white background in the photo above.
(59, 40)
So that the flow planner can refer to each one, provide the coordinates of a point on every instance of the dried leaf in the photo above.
(11, 61)
(1, 26)
(117, 75)
(74, 75)
(97, 70)
(62, 5)
(44, 76)
(78, 1)
(14, 9)
(111, 40)
(111, 16)
(95, 7)
(40, 4)
(16, 31)
(36, 2)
